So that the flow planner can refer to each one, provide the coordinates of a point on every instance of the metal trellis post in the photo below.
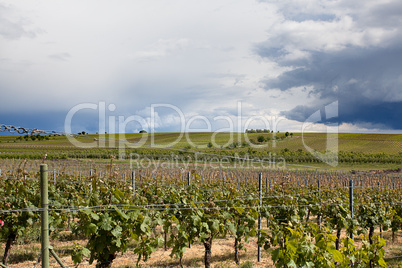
(44, 216)
(259, 214)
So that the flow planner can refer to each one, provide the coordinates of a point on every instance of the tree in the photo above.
(287, 134)
(260, 139)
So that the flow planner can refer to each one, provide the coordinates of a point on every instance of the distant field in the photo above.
(370, 151)
(347, 142)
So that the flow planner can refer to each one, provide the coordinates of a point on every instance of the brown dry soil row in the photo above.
(25, 255)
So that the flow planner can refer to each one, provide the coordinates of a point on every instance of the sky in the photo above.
(186, 65)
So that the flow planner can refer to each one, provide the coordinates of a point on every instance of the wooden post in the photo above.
(133, 181)
(351, 205)
(90, 174)
(319, 200)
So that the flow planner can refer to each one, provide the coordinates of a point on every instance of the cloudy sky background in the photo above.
(245, 60)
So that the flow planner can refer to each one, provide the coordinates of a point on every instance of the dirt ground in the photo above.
(222, 256)
(25, 255)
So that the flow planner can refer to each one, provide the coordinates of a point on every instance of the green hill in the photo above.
(347, 142)
(383, 150)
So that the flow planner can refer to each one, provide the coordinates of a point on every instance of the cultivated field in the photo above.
(355, 151)
(201, 205)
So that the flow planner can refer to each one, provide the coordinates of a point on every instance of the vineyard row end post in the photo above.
(319, 200)
(351, 206)
(90, 175)
(188, 184)
(44, 216)
(44, 197)
(259, 214)
(133, 181)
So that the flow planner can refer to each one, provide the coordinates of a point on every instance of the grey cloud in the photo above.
(300, 112)
(60, 56)
(358, 112)
(11, 66)
(375, 13)
(365, 79)
(365, 70)
(319, 17)
(14, 27)
(349, 23)
(381, 15)
(305, 10)
(367, 84)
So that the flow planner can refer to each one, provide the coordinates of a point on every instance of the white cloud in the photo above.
(197, 55)
(161, 48)
(366, 127)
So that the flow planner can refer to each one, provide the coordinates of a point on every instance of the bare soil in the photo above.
(25, 255)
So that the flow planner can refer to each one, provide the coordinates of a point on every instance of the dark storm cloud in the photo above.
(366, 82)
(357, 62)
(300, 112)
(359, 112)
(85, 120)
(39, 120)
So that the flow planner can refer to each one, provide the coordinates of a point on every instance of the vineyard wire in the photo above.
(215, 201)
(140, 208)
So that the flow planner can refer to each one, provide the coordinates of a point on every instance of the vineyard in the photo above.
(296, 218)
